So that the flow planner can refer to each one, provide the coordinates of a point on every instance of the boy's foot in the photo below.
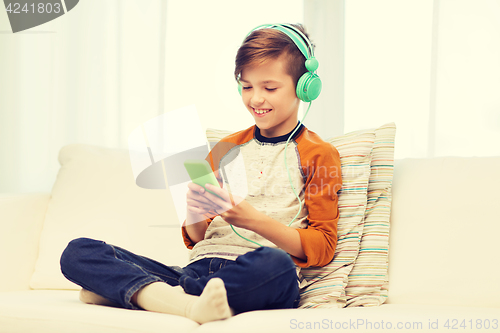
(211, 304)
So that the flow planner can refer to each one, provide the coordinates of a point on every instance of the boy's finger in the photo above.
(223, 193)
(196, 187)
(196, 203)
(215, 198)
(217, 190)
(201, 199)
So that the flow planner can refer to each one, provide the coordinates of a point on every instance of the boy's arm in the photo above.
(199, 215)
(194, 229)
(315, 245)
(286, 238)
(192, 233)
(323, 181)
(242, 214)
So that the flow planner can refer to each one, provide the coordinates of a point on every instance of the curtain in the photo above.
(466, 117)
(431, 66)
(90, 76)
(325, 23)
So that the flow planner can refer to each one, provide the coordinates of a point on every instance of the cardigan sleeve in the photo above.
(322, 168)
(187, 240)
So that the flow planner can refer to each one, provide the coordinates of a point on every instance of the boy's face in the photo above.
(268, 92)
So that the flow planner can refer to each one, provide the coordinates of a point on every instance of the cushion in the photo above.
(95, 195)
(325, 285)
(368, 281)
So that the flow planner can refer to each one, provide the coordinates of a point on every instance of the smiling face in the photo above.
(268, 93)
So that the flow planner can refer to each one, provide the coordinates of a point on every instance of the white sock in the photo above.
(209, 306)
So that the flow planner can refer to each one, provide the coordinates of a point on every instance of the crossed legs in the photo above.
(109, 275)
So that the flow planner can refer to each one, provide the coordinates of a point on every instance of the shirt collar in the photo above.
(278, 139)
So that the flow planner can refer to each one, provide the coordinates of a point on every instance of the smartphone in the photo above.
(201, 173)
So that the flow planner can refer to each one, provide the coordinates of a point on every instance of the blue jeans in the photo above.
(261, 279)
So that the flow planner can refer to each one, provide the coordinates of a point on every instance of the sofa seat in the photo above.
(61, 311)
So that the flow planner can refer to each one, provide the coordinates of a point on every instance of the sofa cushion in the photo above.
(444, 232)
(325, 285)
(21, 220)
(95, 196)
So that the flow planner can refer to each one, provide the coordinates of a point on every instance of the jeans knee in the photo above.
(276, 257)
(74, 251)
(270, 261)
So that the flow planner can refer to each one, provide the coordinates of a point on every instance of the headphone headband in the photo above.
(299, 39)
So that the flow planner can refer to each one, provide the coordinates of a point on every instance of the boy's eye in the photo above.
(249, 87)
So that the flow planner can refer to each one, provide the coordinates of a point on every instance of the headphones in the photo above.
(309, 84)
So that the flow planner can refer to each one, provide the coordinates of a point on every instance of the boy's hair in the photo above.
(268, 44)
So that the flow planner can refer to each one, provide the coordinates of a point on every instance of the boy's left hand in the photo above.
(237, 211)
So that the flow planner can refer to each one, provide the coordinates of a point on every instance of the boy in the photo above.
(258, 268)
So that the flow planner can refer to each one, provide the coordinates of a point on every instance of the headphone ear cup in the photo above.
(308, 87)
(239, 88)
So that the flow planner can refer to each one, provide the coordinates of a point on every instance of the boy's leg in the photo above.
(262, 279)
(131, 281)
(112, 272)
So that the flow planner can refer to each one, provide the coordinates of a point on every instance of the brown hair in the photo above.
(268, 44)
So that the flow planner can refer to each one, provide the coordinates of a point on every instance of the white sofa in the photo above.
(444, 270)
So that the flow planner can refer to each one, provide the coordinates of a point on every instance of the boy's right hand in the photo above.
(197, 205)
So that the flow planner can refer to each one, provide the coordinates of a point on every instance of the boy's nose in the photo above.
(257, 99)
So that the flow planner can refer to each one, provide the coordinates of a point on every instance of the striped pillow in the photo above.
(368, 281)
(325, 285)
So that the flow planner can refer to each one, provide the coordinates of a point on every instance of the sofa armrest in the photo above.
(21, 221)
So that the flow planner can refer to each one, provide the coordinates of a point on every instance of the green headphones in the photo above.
(309, 84)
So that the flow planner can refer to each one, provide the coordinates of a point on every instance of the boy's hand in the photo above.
(198, 206)
(244, 215)
(232, 208)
